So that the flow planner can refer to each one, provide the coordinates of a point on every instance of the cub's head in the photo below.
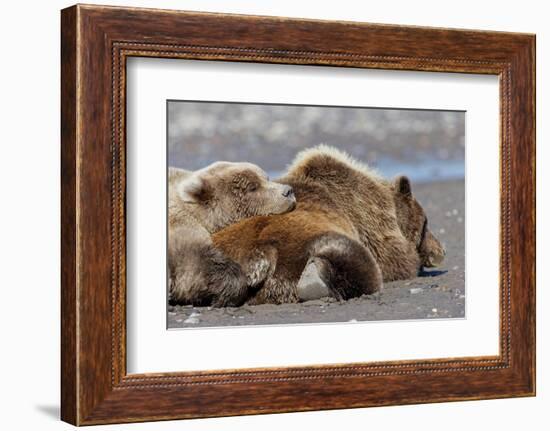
(413, 223)
(224, 193)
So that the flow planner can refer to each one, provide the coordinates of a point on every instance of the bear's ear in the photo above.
(175, 173)
(403, 185)
(193, 189)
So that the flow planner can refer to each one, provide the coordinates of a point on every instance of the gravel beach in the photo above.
(437, 293)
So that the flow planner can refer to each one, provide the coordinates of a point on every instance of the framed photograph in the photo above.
(264, 215)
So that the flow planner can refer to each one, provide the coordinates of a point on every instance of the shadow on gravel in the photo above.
(433, 273)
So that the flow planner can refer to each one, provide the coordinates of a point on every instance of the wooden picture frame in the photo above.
(95, 43)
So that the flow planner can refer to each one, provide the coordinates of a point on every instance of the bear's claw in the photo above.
(311, 285)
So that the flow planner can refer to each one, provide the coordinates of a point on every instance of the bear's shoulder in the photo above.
(324, 161)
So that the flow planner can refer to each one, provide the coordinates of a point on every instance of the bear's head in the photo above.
(224, 193)
(413, 223)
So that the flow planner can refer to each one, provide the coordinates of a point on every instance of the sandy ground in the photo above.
(439, 293)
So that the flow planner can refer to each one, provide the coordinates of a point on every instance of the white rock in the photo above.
(415, 290)
(193, 318)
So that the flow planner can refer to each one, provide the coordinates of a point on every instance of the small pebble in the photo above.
(455, 212)
(434, 310)
(459, 219)
(314, 303)
(415, 290)
(441, 230)
(455, 268)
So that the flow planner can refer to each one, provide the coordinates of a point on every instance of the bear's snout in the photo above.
(288, 191)
(432, 251)
(282, 198)
(434, 259)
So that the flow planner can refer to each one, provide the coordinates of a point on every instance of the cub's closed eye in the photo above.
(252, 187)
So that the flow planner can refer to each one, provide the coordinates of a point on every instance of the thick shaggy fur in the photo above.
(358, 228)
(199, 204)
(201, 274)
(223, 193)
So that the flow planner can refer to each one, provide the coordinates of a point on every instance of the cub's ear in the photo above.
(193, 189)
(403, 185)
(175, 173)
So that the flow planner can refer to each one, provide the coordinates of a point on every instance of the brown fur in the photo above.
(223, 193)
(199, 204)
(362, 228)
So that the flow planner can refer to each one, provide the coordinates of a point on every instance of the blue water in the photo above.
(421, 171)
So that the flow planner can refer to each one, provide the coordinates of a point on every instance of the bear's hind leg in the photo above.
(340, 267)
(203, 276)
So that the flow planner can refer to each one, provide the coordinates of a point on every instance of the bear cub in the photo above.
(201, 203)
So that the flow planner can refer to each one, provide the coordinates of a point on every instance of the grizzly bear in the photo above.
(199, 204)
(351, 229)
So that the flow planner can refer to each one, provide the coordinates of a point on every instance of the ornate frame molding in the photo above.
(96, 41)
